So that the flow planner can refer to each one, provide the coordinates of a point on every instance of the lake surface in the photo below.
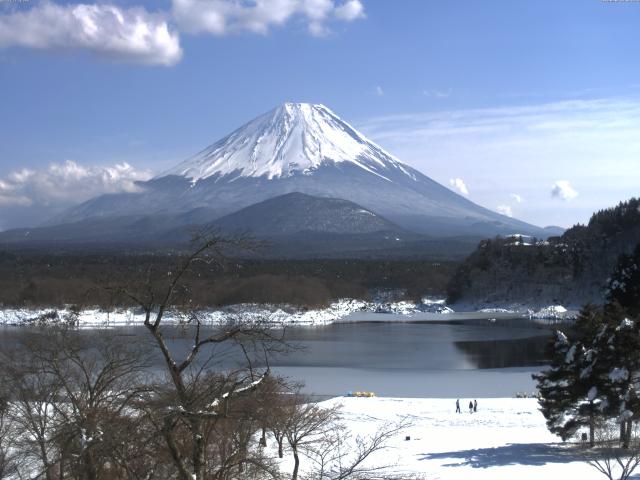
(450, 359)
(456, 358)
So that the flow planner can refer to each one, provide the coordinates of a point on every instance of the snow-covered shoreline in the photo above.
(252, 313)
(344, 310)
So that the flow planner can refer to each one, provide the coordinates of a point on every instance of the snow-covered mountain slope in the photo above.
(293, 138)
(305, 148)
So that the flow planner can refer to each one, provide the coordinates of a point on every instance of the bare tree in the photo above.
(308, 429)
(8, 460)
(278, 400)
(195, 397)
(614, 461)
(342, 456)
(232, 441)
(305, 424)
(30, 412)
(71, 398)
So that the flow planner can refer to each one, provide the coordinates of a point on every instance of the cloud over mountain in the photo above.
(66, 183)
(505, 210)
(459, 185)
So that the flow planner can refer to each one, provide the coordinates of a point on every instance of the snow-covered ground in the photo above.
(341, 310)
(505, 439)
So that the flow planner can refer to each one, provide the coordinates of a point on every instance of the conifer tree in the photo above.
(624, 283)
(557, 386)
(619, 358)
(571, 388)
(597, 373)
(588, 323)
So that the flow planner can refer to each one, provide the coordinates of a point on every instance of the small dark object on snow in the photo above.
(584, 437)
(470, 407)
(407, 438)
(475, 405)
(458, 406)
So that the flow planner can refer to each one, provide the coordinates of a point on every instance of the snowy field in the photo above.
(506, 439)
(344, 310)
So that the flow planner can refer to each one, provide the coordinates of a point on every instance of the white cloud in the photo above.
(220, 17)
(563, 189)
(67, 183)
(138, 36)
(517, 198)
(379, 91)
(459, 185)
(350, 10)
(123, 34)
(505, 210)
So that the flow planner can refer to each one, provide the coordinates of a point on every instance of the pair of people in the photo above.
(473, 406)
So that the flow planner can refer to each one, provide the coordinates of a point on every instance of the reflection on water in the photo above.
(505, 353)
(419, 346)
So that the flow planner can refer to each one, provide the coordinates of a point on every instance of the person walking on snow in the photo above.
(470, 406)
(475, 406)
(458, 406)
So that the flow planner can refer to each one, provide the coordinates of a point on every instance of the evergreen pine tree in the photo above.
(571, 389)
(588, 323)
(595, 385)
(558, 387)
(597, 374)
(624, 283)
(589, 386)
(619, 358)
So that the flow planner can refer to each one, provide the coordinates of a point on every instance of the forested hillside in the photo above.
(570, 269)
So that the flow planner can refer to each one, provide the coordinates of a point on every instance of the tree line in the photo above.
(32, 279)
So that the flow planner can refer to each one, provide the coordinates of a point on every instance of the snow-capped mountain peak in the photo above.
(294, 138)
(306, 149)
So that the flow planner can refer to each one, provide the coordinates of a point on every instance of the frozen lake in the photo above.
(459, 357)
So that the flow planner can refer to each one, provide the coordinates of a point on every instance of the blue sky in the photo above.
(531, 107)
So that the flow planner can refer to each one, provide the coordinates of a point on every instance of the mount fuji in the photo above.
(296, 147)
